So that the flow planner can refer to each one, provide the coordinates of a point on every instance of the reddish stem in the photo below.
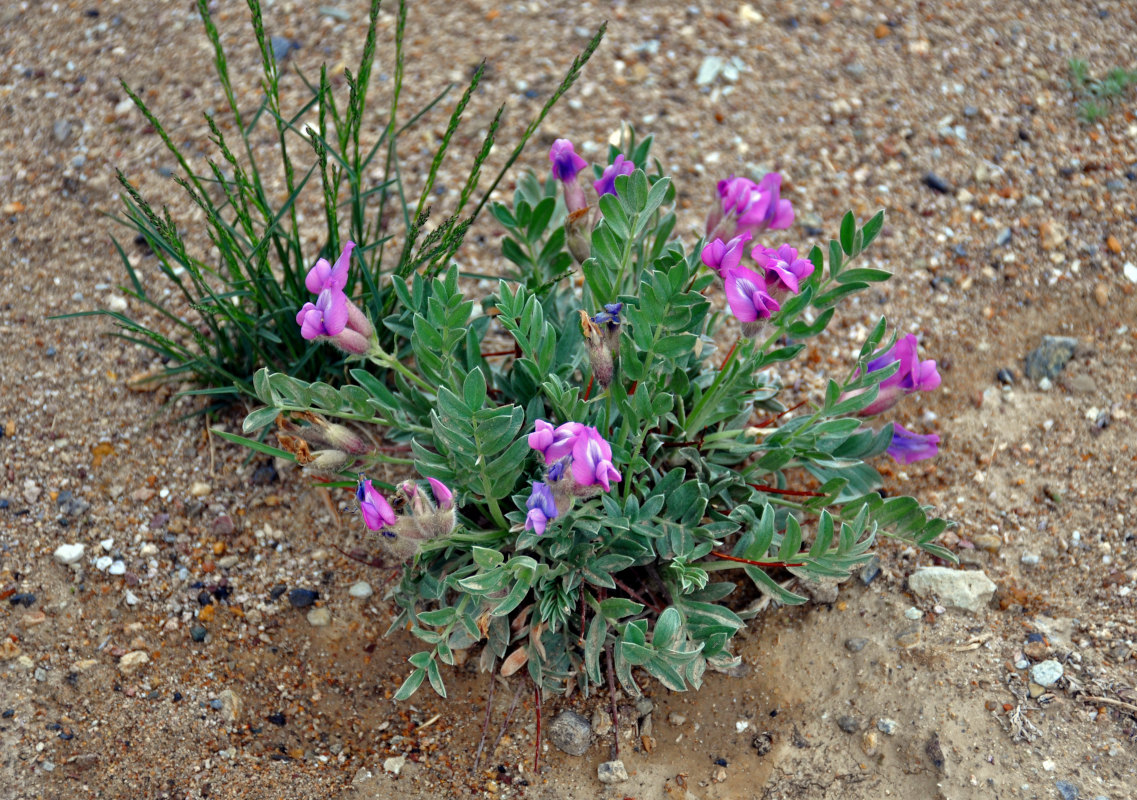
(497, 353)
(632, 391)
(588, 391)
(537, 746)
(755, 563)
(768, 420)
(790, 492)
(729, 353)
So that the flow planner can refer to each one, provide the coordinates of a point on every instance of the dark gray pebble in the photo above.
(24, 599)
(855, 645)
(936, 183)
(302, 598)
(197, 633)
(571, 733)
(1048, 359)
(1005, 376)
(849, 724)
(870, 571)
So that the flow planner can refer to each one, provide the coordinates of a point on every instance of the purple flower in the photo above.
(566, 163)
(610, 315)
(377, 512)
(607, 182)
(554, 443)
(719, 255)
(907, 447)
(324, 276)
(747, 296)
(914, 375)
(327, 317)
(442, 493)
(592, 460)
(748, 207)
(784, 269)
(542, 508)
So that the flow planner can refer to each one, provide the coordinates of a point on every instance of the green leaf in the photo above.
(863, 275)
(593, 645)
(259, 419)
(872, 228)
(474, 389)
(848, 232)
(835, 258)
(411, 684)
(615, 608)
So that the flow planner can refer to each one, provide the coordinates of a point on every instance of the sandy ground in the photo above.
(104, 691)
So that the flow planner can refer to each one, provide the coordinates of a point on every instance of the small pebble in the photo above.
(395, 764)
(216, 704)
(117, 568)
(855, 645)
(302, 598)
(610, 772)
(131, 598)
(571, 733)
(870, 571)
(361, 589)
(1030, 559)
(1066, 790)
(676, 719)
(1005, 376)
(936, 183)
(319, 617)
(849, 724)
(200, 489)
(913, 613)
(24, 599)
(1022, 663)
(1046, 673)
(69, 553)
(197, 633)
(887, 726)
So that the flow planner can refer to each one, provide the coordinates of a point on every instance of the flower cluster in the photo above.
(579, 464)
(333, 316)
(747, 207)
(754, 295)
(418, 518)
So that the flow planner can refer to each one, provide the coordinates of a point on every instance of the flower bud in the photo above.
(328, 460)
(599, 351)
(578, 234)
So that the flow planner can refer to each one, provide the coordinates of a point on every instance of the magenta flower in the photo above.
(914, 375)
(377, 512)
(719, 255)
(542, 508)
(327, 317)
(442, 493)
(554, 443)
(324, 276)
(592, 460)
(748, 207)
(607, 182)
(784, 269)
(907, 447)
(566, 163)
(747, 296)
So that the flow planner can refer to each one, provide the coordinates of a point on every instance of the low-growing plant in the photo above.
(1097, 97)
(243, 302)
(594, 458)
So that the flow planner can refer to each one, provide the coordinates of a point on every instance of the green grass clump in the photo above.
(246, 299)
(1098, 97)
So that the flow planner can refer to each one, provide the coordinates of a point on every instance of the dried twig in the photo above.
(508, 718)
(486, 723)
(1132, 709)
(615, 749)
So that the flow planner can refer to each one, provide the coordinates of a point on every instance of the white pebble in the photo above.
(69, 553)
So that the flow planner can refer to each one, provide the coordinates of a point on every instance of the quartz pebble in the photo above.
(610, 772)
(360, 589)
(69, 553)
